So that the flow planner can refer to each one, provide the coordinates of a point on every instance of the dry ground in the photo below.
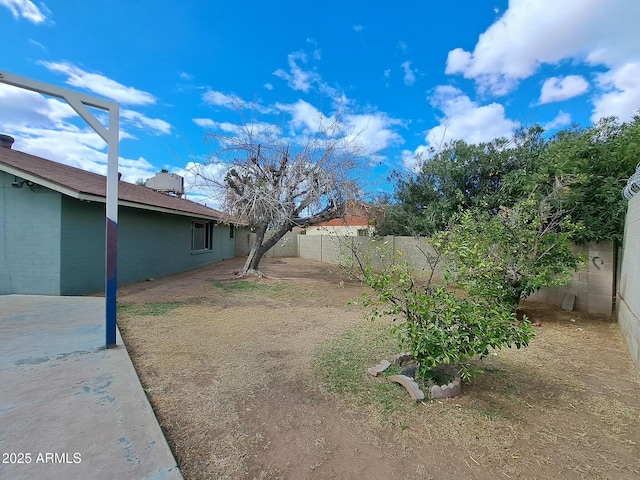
(231, 371)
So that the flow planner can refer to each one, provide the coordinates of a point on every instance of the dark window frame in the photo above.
(201, 236)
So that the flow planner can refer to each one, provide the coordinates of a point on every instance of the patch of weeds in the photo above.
(504, 384)
(248, 286)
(147, 309)
(341, 367)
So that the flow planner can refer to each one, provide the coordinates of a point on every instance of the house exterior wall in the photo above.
(51, 244)
(150, 245)
(82, 238)
(629, 287)
(29, 239)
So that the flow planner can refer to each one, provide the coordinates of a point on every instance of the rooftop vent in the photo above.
(166, 182)
(6, 141)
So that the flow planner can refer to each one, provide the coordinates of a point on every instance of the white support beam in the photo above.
(111, 135)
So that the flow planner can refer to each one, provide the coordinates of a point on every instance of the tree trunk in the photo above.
(254, 257)
(261, 246)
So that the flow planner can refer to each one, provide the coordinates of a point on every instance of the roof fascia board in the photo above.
(16, 172)
(143, 206)
(96, 198)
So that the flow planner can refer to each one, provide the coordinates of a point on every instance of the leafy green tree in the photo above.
(460, 176)
(437, 326)
(594, 164)
(506, 257)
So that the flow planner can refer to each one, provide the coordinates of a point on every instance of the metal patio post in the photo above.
(79, 102)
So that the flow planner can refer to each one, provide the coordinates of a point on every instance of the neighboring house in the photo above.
(52, 230)
(358, 220)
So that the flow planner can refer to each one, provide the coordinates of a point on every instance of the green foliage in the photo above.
(460, 176)
(593, 164)
(441, 328)
(504, 258)
(342, 362)
(148, 309)
(436, 325)
(496, 259)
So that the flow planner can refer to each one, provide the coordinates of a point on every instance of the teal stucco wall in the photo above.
(150, 245)
(52, 244)
(29, 239)
(82, 247)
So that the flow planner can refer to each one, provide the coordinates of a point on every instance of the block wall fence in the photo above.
(628, 306)
(594, 286)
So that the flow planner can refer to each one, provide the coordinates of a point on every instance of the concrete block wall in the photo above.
(382, 251)
(323, 248)
(629, 287)
(593, 286)
(286, 247)
(29, 239)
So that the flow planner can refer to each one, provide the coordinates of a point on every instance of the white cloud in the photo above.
(535, 32)
(562, 120)
(463, 120)
(622, 97)
(220, 99)
(22, 107)
(27, 10)
(358, 28)
(203, 182)
(373, 132)
(139, 120)
(409, 75)
(186, 76)
(204, 122)
(49, 128)
(305, 118)
(100, 84)
(296, 77)
(370, 132)
(268, 86)
(556, 89)
(80, 148)
(232, 102)
(37, 44)
(466, 120)
(304, 80)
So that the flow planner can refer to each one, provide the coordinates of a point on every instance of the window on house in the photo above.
(232, 231)
(363, 232)
(201, 235)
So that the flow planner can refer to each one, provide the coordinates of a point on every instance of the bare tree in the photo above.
(273, 183)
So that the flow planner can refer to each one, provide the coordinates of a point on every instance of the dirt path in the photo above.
(228, 370)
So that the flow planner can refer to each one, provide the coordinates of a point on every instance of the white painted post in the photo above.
(111, 135)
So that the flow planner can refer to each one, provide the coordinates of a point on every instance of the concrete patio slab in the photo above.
(69, 408)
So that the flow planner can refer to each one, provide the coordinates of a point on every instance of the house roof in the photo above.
(84, 185)
(358, 214)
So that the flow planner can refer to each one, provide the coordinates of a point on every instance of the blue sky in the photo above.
(405, 75)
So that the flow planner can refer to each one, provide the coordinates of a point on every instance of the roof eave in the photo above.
(89, 197)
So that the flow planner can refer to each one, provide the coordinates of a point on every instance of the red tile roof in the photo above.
(358, 214)
(91, 186)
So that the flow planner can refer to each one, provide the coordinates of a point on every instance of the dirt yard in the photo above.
(230, 368)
